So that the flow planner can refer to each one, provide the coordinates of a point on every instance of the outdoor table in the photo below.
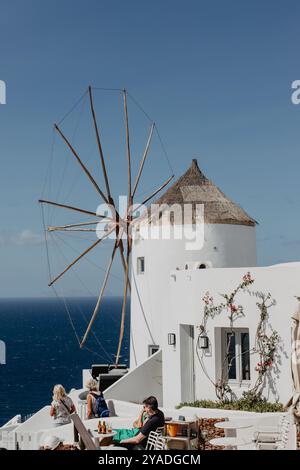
(99, 437)
(229, 442)
(113, 448)
(231, 426)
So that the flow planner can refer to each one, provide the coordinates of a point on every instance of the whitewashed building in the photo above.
(168, 284)
(229, 240)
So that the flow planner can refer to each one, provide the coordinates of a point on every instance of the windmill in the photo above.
(117, 226)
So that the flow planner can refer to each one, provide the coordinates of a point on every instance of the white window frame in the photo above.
(138, 262)
(238, 349)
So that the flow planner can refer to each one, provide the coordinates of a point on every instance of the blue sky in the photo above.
(216, 77)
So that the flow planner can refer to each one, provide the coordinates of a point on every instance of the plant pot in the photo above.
(172, 429)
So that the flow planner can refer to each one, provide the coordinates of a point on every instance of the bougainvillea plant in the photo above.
(265, 346)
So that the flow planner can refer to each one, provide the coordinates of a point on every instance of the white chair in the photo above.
(160, 430)
(156, 441)
(161, 443)
(151, 442)
(282, 437)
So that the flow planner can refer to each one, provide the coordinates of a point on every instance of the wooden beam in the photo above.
(80, 257)
(154, 193)
(99, 144)
(127, 143)
(158, 190)
(84, 168)
(97, 306)
(143, 160)
(123, 315)
(79, 224)
(61, 229)
(124, 264)
(72, 208)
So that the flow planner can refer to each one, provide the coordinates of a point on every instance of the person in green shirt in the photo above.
(137, 425)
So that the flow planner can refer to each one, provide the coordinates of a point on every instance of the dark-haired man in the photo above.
(156, 420)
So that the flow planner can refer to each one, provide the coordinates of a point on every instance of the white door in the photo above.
(187, 363)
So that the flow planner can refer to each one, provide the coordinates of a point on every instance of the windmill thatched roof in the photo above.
(195, 188)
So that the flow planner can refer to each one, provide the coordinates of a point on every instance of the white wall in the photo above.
(140, 382)
(224, 246)
(186, 290)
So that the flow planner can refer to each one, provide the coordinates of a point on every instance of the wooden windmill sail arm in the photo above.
(127, 143)
(74, 227)
(124, 263)
(122, 326)
(79, 224)
(143, 160)
(97, 306)
(80, 257)
(72, 208)
(62, 229)
(84, 168)
(158, 190)
(153, 194)
(99, 144)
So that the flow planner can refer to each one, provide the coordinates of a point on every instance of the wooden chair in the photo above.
(81, 434)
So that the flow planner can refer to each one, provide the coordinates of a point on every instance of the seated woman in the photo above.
(96, 404)
(61, 407)
(137, 425)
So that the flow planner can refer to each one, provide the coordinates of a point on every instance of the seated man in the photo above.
(122, 434)
(155, 420)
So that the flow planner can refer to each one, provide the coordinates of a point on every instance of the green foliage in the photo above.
(248, 402)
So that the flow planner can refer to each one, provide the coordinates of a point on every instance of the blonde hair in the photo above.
(92, 384)
(59, 392)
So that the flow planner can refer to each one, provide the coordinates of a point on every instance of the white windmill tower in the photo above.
(229, 240)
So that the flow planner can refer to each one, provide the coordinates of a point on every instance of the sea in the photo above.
(42, 348)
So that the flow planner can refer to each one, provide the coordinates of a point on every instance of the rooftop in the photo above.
(193, 187)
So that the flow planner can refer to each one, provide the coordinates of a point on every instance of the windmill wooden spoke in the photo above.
(154, 193)
(80, 224)
(158, 190)
(72, 208)
(143, 161)
(124, 263)
(123, 310)
(61, 229)
(99, 144)
(127, 145)
(84, 168)
(85, 252)
(97, 306)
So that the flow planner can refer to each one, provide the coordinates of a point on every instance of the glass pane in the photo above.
(231, 359)
(141, 265)
(245, 356)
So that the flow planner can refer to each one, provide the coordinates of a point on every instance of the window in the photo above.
(236, 354)
(141, 265)
(152, 348)
(202, 266)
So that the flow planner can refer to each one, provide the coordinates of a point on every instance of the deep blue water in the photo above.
(42, 349)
